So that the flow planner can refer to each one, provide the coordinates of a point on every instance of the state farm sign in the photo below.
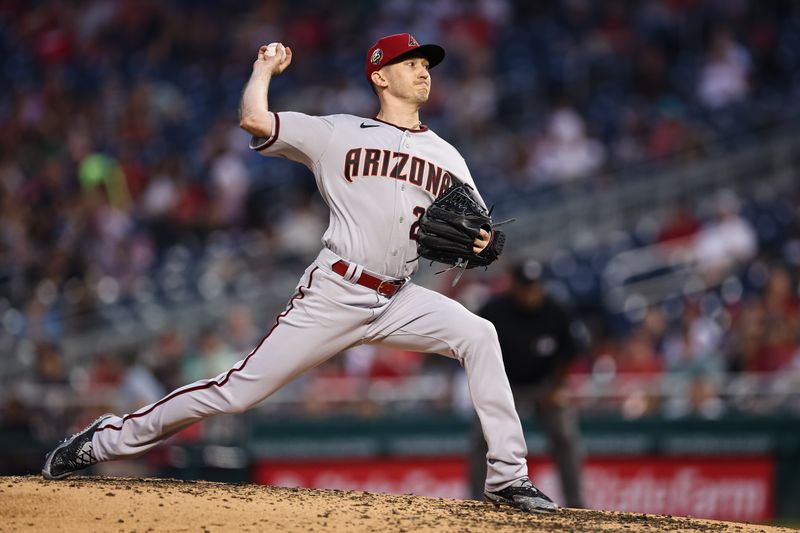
(729, 488)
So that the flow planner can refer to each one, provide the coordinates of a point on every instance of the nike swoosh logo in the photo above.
(365, 125)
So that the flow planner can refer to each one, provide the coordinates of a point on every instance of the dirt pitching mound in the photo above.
(122, 504)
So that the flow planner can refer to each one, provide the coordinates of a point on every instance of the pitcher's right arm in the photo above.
(254, 115)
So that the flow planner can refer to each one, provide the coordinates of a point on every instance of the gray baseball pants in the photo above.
(327, 315)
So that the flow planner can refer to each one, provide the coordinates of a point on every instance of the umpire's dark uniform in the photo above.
(539, 342)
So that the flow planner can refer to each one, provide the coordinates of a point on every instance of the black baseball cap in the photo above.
(527, 272)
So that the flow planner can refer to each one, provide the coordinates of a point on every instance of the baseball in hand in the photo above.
(272, 49)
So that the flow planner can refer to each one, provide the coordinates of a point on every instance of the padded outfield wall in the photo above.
(737, 468)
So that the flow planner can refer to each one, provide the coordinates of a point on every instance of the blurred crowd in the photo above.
(675, 352)
(127, 187)
(119, 138)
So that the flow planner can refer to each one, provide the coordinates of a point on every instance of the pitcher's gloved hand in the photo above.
(448, 229)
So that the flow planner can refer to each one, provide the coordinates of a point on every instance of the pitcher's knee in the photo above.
(479, 332)
(237, 404)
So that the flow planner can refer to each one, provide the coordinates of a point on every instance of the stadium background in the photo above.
(648, 149)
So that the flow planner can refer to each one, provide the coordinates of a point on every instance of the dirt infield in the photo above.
(140, 505)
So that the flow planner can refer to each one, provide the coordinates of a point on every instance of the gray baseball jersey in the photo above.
(378, 180)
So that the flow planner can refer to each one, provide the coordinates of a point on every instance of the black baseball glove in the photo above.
(448, 229)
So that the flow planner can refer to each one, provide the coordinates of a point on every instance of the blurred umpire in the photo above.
(539, 341)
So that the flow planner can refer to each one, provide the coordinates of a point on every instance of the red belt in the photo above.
(383, 287)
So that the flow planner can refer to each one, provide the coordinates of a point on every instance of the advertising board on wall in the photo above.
(727, 488)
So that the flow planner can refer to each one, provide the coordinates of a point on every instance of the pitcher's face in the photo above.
(409, 79)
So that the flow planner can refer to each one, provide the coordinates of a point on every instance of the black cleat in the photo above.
(72, 454)
(523, 495)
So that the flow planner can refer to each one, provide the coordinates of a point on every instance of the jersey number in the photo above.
(412, 232)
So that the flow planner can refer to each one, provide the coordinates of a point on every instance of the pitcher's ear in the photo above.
(378, 79)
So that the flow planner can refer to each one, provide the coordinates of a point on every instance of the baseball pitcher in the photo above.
(396, 191)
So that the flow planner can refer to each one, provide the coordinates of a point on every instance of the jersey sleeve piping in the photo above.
(260, 143)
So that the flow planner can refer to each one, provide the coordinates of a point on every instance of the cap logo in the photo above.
(376, 56)
(412, 41)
